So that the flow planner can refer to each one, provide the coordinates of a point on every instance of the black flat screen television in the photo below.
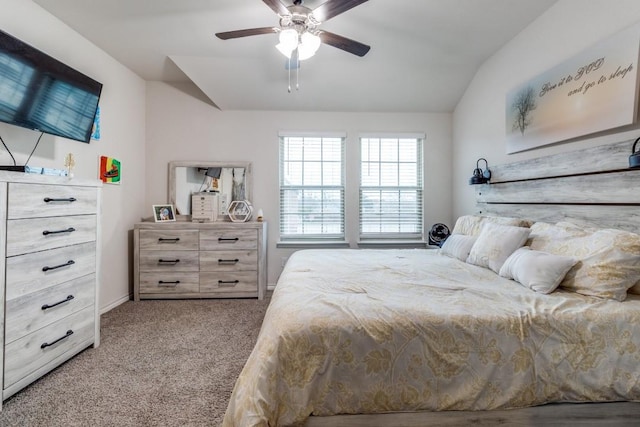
(41, 93)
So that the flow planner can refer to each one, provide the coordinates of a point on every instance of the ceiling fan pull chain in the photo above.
(297, 75)
(289, 71)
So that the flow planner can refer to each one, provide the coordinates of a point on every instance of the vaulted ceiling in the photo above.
(423, 54)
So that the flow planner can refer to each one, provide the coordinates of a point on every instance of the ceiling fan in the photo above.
(299, 31)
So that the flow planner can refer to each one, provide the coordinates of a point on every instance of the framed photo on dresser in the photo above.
(163, 213)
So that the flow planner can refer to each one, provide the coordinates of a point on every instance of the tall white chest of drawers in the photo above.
(49, 233)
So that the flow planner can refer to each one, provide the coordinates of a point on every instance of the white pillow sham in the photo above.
(471, 225)
(539, 271)
(495, 243)
(609, 260)
(458, 246)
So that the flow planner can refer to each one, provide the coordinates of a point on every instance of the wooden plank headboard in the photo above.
(594, 187)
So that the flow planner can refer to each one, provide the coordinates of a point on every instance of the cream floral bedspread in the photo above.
(368, 331)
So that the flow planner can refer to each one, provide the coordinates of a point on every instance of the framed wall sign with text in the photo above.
(594, 91)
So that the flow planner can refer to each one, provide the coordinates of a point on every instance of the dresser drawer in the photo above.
(37, 234)
(228, 239)
(244, 281)
(39, 270)
(175, 240)
(170, 261)
(169, 283)
(228, 260)
(41, 200)
(35, 350)
(33, 311)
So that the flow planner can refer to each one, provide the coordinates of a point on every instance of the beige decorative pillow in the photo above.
(609, 260)
(495, 243)
(539, 271)
(471, 225)
(458, 246)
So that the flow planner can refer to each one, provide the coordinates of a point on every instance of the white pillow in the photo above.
(458, 246)
(471, 225)
(609, 260)
(539, 271)
(495, 243)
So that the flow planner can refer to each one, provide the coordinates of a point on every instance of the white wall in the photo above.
(567, 28)
(181, 127)
(123, 135)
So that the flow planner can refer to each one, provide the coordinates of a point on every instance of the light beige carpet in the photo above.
(160, 363)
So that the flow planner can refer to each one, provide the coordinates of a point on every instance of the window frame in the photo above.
(397, 238)
(299, 240)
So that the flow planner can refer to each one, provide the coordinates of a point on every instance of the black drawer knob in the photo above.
(68, 230)
(69, 199)
(167, 284)
(49, 344)
(67, 299)
(168, 240)
(66, 264)
(228, 283)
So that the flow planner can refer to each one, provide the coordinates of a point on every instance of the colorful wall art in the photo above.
(110, 170)
(594, 91)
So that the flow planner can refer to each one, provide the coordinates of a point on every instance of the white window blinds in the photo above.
(311, 187)
(391, 187)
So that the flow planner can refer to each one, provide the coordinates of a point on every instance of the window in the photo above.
(391, 187)
(312, 187)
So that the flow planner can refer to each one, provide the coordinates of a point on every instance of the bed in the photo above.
(374, 331)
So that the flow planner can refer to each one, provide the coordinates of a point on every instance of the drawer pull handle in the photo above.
(66, 264)
(49, 344)
(67, 299)
(229, 283)
(228, 239)
(168, 261)
(165, 240)
(49, 200)
(168, 284)
(68, 230)
(228, 261)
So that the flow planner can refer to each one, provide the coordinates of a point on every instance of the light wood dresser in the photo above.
(186, 259)
(49, 233)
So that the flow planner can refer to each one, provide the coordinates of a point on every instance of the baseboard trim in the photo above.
(114, 304)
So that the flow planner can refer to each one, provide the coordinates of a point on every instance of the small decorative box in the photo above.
(204, 207)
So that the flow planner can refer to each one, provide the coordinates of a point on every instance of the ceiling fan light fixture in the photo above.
(309, 44)
(288, 39)
(284, 50)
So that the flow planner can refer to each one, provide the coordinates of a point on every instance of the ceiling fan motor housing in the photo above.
(300, 18)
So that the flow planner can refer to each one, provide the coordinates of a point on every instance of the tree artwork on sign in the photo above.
(523, 105)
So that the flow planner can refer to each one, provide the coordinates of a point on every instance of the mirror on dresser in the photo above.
(229, 180)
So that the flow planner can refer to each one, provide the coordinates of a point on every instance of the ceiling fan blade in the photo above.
(277, 7)
(332, 8)
(344, 43)
(244, 33)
